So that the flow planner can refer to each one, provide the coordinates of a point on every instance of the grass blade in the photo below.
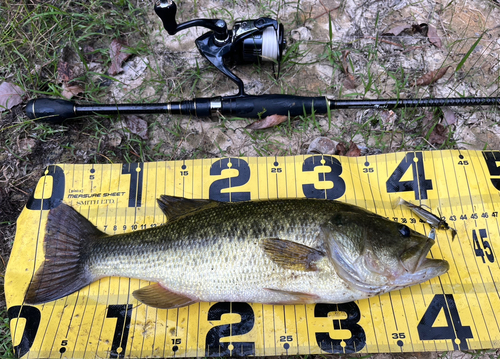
(461, 63)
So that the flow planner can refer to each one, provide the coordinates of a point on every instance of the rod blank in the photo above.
(56, 111)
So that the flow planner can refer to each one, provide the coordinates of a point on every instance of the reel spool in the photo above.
(250, 41)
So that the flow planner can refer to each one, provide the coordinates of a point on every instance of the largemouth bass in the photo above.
(284, 251)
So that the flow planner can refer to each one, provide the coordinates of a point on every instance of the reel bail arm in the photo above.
(250, 41)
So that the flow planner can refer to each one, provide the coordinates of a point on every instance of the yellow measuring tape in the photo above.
(103, 320)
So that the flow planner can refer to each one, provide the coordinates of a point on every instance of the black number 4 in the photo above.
(419, 184)
(488, 251)
(454, 331)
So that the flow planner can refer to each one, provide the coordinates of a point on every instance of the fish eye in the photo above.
(404, 230)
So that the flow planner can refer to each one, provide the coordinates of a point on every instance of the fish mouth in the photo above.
(427, 269)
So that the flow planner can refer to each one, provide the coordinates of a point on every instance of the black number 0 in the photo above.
(57, 195)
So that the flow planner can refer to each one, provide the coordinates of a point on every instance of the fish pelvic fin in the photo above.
(68, 235)
(290, 297)
(291, 255)
(156, 295)
(175, 207)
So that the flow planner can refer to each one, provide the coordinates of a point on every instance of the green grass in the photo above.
(6, 350)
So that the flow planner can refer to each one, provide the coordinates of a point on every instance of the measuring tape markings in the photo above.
(474, 305)
(325, 191)
(448, 284)
(461, 333)
(484, 234)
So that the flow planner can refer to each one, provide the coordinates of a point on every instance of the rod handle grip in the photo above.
(50, 110)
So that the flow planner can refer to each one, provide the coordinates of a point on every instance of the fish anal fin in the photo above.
(156, 295)
(290, 297)
(175, 207)
(291, 255)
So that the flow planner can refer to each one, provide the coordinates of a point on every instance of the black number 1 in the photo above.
(136, 172)
(123, 313)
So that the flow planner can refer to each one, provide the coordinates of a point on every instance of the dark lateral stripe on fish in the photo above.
(63, 272)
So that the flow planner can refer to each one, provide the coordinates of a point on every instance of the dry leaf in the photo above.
(345, 66)
(434, 37)
(137, 126)
(354, 151)
(341, 150)
(349, 82)
(10, 95)
(269, 121)
(117, 56)
(439, 135)
(64, 73)
(428, 120)
(395, 31)
(389, 118)
(449, 117)
(322, 145)
(420, 29)
(431, 77)
(70, 91)
(88, 53)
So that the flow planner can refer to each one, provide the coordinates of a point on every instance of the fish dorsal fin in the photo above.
(291, 255)
(175, 207)
(155, 295)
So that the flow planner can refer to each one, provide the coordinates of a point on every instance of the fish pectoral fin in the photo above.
(291, 255)
(174, 207)
(155, 295)
(290, 297)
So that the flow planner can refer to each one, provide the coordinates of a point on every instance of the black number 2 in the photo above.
(419, 184)
(214, 347)
(215, 191)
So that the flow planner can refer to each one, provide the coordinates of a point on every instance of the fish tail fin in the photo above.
(68, 236)
(398, 202)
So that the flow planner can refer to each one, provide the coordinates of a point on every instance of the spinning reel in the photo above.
(250, 41)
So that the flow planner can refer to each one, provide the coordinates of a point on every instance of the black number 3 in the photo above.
(355, 343)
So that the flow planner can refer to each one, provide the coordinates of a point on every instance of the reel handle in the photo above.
(166, 11)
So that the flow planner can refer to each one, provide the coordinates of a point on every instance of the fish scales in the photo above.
(276, 251)
(218, 247)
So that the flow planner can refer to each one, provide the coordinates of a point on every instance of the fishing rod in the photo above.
(250, 41)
